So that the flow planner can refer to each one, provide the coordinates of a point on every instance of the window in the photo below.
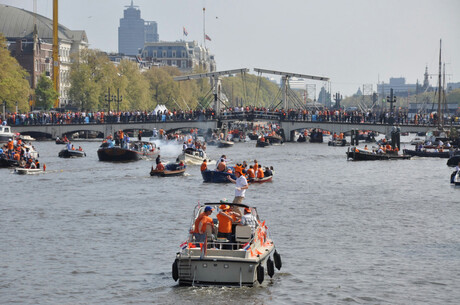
(164, 54)
(154, 54)
(183, 54)
(173, 53)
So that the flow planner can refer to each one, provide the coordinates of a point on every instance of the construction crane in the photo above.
(215, 83)
(285, 76)
(55, 52)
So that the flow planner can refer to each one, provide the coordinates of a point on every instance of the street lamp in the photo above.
(109, 98)
(16, 107)
(119, 99)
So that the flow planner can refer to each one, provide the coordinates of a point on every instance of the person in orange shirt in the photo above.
(226, 219)
(204, 165)
(260, 172)
(256, 166)
(201, 222)
(251, 173)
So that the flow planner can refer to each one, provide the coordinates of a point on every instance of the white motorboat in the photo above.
(28, 171)
(218, 261)
(6, 134)
(193, 156)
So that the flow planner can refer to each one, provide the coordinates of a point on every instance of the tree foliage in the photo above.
(14, 86)
(250, 90)
(45, 94)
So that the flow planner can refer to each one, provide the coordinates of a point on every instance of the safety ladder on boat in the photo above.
(185, 269)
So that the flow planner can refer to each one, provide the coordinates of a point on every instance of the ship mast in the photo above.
(440, 116)
(55, 52)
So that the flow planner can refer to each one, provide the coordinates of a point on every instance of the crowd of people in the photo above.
(247, 112)
(19, 153)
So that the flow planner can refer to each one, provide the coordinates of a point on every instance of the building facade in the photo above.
(185, 55)
(30, 37)
(133, 31)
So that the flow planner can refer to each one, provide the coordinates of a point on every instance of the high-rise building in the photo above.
(133, 31)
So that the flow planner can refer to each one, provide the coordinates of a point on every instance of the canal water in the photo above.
(89, 232)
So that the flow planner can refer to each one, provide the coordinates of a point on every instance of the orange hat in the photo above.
(224, 207)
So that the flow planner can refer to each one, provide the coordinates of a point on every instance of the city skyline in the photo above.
(352, 42)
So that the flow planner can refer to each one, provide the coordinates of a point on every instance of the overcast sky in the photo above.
(353, 42)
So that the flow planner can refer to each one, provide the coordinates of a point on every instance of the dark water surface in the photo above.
(89, 232)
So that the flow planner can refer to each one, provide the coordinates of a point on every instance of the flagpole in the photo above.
(204, 28)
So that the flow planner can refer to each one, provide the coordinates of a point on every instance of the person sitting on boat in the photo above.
(226, 218)
(69, 145)
(37, 164)
(365, 147)
(204, 165)
(201, 223)
(260, 172)
(160, 167)
(256, 166)
(158, 161)
(73, 147)
(79, 148)
(248, 219)
(268, 172)
(181, 164)
(251, 173)
(380, 151)
(221, 166)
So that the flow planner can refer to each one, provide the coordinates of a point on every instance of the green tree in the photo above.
(14, 86)
(453, 97)
(162, 88)
(136, 94)
(45, 94)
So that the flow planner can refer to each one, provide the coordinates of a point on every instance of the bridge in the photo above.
(53, 131)
(289, 126)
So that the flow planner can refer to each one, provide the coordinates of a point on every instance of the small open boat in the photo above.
(61, 141)
(260, 180)
(28, 171)
(262, 143)
(223, 144)
(274, 139)
(357, 154)
(244, 259)
(338, 142)
(132, 152)
(71, 153)
(171, 169)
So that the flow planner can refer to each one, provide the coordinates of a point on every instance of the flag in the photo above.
(207, 37)
(183, 245)
(185, 32)
(246, 246)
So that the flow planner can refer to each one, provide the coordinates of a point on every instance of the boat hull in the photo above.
(66, 153)
(368, 156)
(220, 270)
(426, 154)
(262, 144)
(4, 162)
(214, 176)
(27, 171)
(453, 161)
(260, 180)
(121, 154)
(223, 144)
